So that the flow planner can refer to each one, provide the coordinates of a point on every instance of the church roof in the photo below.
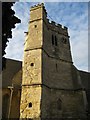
(12, 75)
(13, 69)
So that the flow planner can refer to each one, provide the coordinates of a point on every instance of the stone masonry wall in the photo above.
(47, 85)
(30, 102)
(56, 73)
(31, 92)
(62, 104)
(62, 49)
(32, 67)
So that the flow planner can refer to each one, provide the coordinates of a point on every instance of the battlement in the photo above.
(40, 5)
(50, 24)
(56, 27)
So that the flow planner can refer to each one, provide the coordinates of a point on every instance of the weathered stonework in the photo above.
(48, 85)
(31, 94)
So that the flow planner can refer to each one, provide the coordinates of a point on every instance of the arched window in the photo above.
(59, 104)
(5, 106)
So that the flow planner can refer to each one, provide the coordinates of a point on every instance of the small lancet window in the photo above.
(59, 104)
(55, 41)
(52, 40)
(56, 66)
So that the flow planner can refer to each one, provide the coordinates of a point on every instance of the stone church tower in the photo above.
(51, 85)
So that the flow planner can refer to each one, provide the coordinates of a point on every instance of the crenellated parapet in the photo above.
(41, 5)
(38, 5)
(48, 84)
(52, 25)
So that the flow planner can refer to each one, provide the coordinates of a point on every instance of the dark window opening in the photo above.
(52, 40)
(56, 66)
(35, 26)
(55, 40)
(59, 104)
(30, 104)
(32, 64)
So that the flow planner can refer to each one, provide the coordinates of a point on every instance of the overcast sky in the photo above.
(74, 15)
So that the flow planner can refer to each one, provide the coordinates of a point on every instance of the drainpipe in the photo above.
(11, 89)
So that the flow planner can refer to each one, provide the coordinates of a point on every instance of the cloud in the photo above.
(75, 17)
(15, 46)
(72, 15)
(54, 0)
(80, 49)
